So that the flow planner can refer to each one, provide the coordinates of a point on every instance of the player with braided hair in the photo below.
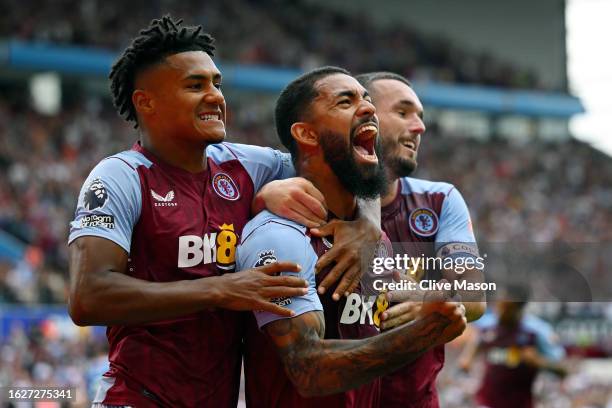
(161, 39)
(156, 228)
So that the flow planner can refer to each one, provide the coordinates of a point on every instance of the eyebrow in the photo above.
(411, 105)
(200, 77)
(351, 94)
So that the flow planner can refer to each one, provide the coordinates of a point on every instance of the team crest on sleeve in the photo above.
(265, 258)
(225, 187)
(423, 221)
(95, 195)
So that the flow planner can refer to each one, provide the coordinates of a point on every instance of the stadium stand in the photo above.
(264, 32)
(546, 191)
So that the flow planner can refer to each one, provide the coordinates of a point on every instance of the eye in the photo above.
(401, 113)
(195, 86)
(344, 101)
(218, 86)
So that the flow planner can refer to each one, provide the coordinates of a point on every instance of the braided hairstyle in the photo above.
(163, 37)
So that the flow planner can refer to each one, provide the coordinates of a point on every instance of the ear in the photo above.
(143, 102)
(304, 134)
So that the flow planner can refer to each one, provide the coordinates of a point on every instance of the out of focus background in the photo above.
(505, 124)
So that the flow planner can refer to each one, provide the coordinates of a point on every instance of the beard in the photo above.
(363, 181)
(399, 166)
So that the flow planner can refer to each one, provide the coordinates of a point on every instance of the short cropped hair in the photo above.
(293, 103)
(367, 79)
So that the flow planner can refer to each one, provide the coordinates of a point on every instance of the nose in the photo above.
(366, 108)
(417, 126)
(214, 96)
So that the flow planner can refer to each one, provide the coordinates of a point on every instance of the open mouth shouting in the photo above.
(364, 140)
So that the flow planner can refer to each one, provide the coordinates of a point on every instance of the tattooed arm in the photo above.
(318, 367)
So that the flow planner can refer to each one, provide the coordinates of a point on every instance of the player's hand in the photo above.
(294, 198)
(352, 241)
(407, 307)
(463, 366)
(399, 314)
(448, 314)
(530, 356)
(252, 289)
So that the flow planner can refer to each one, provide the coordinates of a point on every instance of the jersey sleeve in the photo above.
(263, 163)
(487, 321)
(547, 340)
(109, 203)
(273, 242)
(455, 236)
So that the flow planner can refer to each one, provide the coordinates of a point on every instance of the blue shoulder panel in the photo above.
(110, 201)
(262, 163)
(455, 225)
(455, 222)
(547, 340)
(488, 320)
(419, 186)
(267, 239)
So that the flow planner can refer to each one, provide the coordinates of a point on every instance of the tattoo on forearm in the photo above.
(319, 367)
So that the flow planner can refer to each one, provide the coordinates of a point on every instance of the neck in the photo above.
(391, 192)
(178, 153)
(340, 201)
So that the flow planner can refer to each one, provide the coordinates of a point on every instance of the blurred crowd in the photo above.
(272, 32)
(55, 353)
(583, 387)
(539, 192)
(533, 191)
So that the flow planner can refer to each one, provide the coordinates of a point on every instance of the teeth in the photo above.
(209, 117)
(362, 150)
(367, 128)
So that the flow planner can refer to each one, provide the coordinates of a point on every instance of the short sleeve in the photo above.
(455, 234)
(547, 340)
(109, 203)
(273, 242)
(263, 163)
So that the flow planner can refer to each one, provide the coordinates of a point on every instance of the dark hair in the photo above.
(518, 293)
(294, 100)
(367, 79)
(162, 38)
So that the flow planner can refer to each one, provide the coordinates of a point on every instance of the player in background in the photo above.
(515, 346)
(423, 218)
(156, 228)
(327, 121)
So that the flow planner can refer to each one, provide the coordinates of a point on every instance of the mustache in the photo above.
(371, 119)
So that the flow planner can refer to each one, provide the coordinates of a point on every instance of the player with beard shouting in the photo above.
(329, 354)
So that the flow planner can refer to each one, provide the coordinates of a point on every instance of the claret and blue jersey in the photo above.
(428, 212)
(268, 238)
(507, 381)
(425, 219)
(175, 225)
